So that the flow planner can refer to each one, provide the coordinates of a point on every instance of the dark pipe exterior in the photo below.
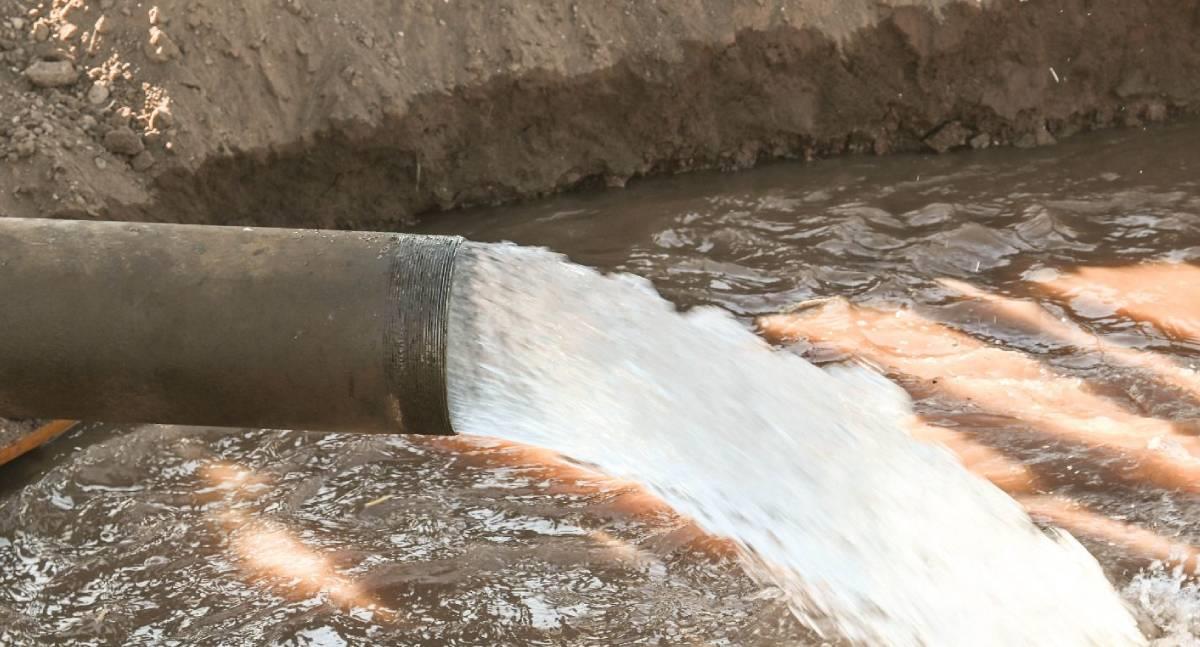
(224, 326)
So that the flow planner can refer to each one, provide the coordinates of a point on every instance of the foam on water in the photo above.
(872, 536)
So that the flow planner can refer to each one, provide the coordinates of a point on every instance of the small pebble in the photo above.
(160, 48)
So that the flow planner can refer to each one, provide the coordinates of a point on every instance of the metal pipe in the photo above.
(224, 326)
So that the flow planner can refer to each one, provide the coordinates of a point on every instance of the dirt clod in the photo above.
(1040, 136)
(68, 31)
(948, 137)
(25, 147)
(142, 161)
(1043, 137)
(123, 141)
(51, 74)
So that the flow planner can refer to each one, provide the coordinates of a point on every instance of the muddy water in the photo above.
(1070, 368)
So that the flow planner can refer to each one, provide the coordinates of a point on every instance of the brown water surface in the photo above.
(1041, 307)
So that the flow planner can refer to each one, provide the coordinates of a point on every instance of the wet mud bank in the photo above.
(351, 114)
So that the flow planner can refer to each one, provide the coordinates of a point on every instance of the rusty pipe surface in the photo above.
(224, 326)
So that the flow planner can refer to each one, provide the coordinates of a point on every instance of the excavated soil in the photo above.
(366, 114)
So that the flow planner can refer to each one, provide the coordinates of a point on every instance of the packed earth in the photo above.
(360, 114)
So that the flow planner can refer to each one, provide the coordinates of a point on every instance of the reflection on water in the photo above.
(978, 383)
(1047, 330)
(1164, 295)
(259, 537)
(968, 376)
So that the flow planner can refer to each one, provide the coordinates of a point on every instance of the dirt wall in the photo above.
(366, 114)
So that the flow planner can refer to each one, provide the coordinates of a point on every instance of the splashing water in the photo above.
(872, 536)
(1168, 602)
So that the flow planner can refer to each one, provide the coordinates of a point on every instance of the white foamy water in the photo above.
(1167, 602)
(872, 536)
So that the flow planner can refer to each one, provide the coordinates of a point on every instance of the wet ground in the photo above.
(1040, 306)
